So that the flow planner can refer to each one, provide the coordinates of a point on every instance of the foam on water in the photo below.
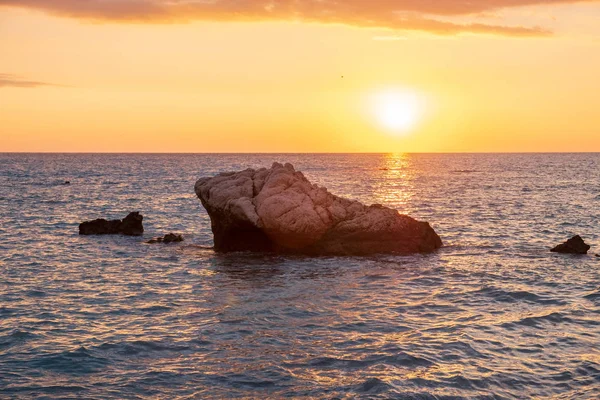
(492, 315)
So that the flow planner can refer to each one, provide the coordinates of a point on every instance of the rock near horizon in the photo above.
(279, 210)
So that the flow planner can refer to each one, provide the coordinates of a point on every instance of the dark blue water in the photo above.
(493, 315)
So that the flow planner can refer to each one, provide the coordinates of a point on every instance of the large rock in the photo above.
(575, 245)
(131, 225)
(278, 209)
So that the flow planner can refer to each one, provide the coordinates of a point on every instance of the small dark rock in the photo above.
(67, 183)
(168, 238)
(172, 238)
(575, 245)
(131, 225)
(100, 227)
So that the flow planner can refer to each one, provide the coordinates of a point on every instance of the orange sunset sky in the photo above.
(299, 76)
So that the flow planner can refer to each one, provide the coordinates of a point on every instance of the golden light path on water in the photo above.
(395, 183)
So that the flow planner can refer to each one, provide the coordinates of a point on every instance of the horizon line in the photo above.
(298, 153)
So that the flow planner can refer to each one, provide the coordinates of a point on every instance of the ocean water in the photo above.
(492, 315)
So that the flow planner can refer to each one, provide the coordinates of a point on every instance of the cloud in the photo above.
(8, 80)
(422, 15)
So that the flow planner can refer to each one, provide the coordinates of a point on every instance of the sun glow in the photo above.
(398, 111)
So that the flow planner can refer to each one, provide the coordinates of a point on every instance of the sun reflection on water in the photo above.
(394, 186)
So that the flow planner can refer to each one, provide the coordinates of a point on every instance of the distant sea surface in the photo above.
(492, 315)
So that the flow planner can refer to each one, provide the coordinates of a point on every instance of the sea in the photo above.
(491, 315)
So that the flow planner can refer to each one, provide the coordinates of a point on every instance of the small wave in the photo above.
(593, 296)
(456, 381)
(536, 321)
(200, 342)
(17, 334)
(140, 347)
(376, 277)
(374, 386)
(16, 337)
(530, 349)
(5, 311)
(35, 293)
(53, 202)
(407, 360)
(461, 382)
(564, 376)
(363, 327)
(253, 383)
(399, 360)
(51, 389)
(513, 296)
(120, 311)
(80, 361)
(464, 171)
(156, 309)
(589, 368)
(458, 349)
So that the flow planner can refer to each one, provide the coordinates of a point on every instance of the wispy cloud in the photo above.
(9, 80)
(420, 15)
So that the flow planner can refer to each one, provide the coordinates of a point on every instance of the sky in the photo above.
(299, 76)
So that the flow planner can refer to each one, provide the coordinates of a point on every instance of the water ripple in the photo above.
(493, 315)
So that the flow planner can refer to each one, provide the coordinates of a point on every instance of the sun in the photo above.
(397, 110)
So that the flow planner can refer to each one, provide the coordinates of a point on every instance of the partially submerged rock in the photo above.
(575, 245)
(279, 210)
(100, 227)
(131, 225)
(168, 238)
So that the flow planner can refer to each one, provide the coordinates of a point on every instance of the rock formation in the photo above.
(168, 238)
(279, 210)
(575, 245)
(131, 225)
